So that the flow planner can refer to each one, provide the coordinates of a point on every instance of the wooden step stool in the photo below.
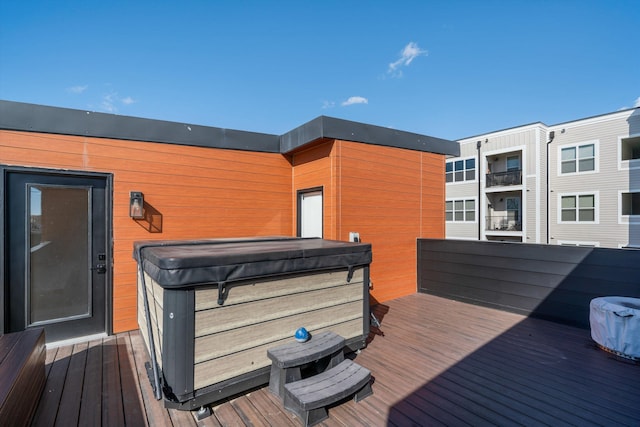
(308, 398)
(289, 359)
(335, 378)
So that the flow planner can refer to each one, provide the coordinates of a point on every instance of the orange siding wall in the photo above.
(313, 168)
(390, 196)
(200, 193)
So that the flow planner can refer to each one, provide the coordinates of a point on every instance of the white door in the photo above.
(311, 214)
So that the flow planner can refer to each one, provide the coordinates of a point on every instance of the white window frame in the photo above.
(464, 170)
(627, 219)
(464, 200)
(577, 145)
(627, 164)
(596, 203)
(580, 243)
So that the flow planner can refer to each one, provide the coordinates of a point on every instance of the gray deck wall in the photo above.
(546, 281)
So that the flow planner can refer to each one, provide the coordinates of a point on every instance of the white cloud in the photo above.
(111, 101)
(78, 89)
(108, 103)
(328, 104)
(355, 100)
(637, 103)
(410, 52)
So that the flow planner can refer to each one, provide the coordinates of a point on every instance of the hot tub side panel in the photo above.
(177, 343)
(207, 351)
(155, 298)
(232, 339)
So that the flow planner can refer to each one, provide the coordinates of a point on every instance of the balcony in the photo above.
(502, 222)
(498, 179)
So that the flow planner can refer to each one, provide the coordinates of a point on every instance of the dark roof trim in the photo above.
(332, 128)
(38, 118)
(65, 121)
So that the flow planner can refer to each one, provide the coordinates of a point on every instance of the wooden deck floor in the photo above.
(439, 362)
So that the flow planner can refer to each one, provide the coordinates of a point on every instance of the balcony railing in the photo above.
(503, 222)
(513, 177)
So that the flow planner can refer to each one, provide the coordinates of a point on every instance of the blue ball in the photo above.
(301, 335)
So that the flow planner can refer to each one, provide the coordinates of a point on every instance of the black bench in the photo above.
(308, 398)
(22, 375)
(289, 359)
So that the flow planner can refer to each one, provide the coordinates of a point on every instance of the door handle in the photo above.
(100, 268)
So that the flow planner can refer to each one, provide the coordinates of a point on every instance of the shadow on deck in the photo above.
(438, 362)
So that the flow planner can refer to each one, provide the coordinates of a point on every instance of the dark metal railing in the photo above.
(504, 222)
(513, 177)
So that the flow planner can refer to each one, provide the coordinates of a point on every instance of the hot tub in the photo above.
(615, 325)
(214, 307)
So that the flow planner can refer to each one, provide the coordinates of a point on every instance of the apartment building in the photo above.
(573, 183)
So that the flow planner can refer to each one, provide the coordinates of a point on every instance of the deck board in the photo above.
(47, 410)
(156, 414)
(91, 411)
(133, 412)
(112, 407)
(434, 362)
(227, 415)
(264, 401)
(69, 408)
(248, 412)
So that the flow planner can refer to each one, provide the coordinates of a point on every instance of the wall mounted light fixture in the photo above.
(136, 205)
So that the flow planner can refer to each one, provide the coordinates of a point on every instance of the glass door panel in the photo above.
(59, 270)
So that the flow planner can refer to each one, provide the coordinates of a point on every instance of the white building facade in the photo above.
(575, 183)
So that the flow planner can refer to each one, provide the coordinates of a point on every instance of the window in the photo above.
(461, 170)
(513, 208)
(630, 203)
(460, 210)
(513, 163)
(578, 158)
(578, 208)
(470, 169)
(630, 148)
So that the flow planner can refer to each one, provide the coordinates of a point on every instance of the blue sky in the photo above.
(449, 69)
